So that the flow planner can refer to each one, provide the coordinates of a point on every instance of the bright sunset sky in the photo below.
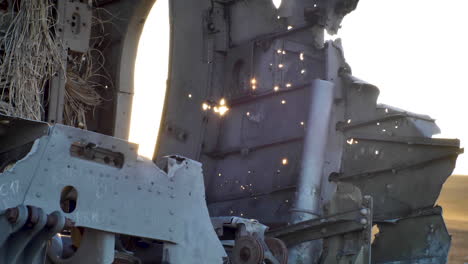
(413, 50)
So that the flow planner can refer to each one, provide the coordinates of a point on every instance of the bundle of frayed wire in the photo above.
(81, 89)
(30, 58)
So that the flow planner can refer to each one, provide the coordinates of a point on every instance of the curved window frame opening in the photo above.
(150, 79)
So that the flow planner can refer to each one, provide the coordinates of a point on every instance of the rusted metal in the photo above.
(33, 216)
(278, 249)
(12, 214)
(248, 250)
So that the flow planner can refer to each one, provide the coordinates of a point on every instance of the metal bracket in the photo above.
(25, 231)
(346, 230)
(357, 220)
(74, 28)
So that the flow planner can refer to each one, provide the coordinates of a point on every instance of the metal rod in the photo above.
(309, 181)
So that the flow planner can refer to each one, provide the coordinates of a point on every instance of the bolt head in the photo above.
(211, 26)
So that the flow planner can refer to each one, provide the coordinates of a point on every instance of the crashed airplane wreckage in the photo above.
(304, 148)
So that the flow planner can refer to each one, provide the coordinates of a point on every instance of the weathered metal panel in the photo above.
(419, 240)
(151, 203)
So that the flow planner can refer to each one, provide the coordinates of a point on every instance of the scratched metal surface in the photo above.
(139, 199)
(242, 152)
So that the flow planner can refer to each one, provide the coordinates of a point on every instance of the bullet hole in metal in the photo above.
(253, 83)
(220, 109)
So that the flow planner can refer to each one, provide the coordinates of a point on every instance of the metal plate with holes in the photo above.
(75, 18)
(138, 199)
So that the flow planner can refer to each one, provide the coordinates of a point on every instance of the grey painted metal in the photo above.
(248, 231)
(96, 247)
(328, 13)
(308, 198)
(242, 151)
(387, 152)
(57, 95)
(346, 228)
(168, 207)
(25, 234)
(74, 25)
(74, 22)
(244, 226)
(421, 240)
(307, 204)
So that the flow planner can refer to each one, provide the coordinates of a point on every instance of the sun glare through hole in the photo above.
(277, 3)
(151, 70)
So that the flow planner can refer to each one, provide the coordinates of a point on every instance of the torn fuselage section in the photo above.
(265, 63)
(325, 13)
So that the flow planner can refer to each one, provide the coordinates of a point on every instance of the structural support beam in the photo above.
(308, 188)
